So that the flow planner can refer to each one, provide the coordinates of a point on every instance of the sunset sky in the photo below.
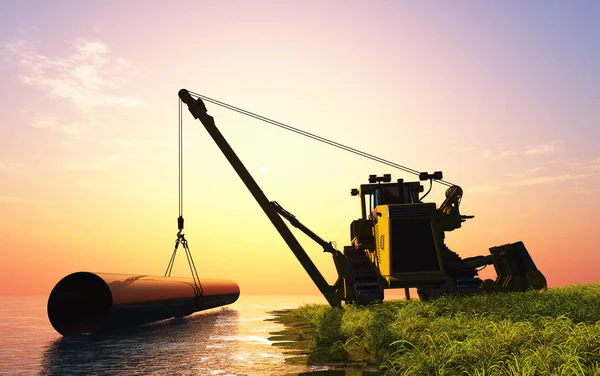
(503, 97)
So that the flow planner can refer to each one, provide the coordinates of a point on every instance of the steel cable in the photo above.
(314, 137)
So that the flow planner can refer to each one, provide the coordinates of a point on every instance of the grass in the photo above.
(553, 332)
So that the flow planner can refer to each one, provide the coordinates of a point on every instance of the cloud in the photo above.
(547, 148)
(541, 149)
(88, 78)
(586, 191)
(541, 180)
(591, 165)
(487, 154)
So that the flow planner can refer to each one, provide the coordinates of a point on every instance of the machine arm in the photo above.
(449, 210)
(327, 246)
(198, 110)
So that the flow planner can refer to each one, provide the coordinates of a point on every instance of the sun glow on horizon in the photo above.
(497, 96)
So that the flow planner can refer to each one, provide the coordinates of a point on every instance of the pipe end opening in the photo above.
(80, 303)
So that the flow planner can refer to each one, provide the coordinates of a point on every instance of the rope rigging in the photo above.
(314, 137)
(180, 235)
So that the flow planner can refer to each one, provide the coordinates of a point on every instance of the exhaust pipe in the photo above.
(87, 303)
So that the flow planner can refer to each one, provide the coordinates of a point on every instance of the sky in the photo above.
(503, 97)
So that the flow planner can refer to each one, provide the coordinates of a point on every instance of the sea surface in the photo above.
(222, 341)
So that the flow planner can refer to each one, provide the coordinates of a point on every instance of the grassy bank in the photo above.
(554, 332)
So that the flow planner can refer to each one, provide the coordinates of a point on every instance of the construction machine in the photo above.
(398, 241)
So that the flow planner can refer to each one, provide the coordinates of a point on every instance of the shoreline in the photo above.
(299, 339)
(555, 331)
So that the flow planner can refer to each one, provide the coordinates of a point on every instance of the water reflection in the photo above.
(180, 346)
(224, 341)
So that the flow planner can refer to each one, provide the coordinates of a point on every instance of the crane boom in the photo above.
(198, 110)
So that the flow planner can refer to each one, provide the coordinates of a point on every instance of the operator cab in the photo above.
(387, 194)
(380, 191)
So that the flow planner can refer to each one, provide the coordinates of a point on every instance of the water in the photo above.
(222, 341)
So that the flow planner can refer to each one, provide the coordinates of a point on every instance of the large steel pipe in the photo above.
(85, 302)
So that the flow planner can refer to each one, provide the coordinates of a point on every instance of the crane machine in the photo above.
(397, 242)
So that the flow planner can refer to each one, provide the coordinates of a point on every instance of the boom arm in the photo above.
(327, 246)
(449, 211)
(198, 110)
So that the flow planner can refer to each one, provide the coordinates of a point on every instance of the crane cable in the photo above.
(315, 137)
(180, 236)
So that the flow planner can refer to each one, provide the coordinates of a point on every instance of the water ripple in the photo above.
(230, 341)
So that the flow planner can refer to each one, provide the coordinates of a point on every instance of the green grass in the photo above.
(553, 332)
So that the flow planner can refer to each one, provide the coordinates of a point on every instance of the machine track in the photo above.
(462, 278)
(366, 284)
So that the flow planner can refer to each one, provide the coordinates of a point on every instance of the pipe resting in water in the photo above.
(86, 302)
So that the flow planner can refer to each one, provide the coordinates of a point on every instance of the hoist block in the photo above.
(85, 302)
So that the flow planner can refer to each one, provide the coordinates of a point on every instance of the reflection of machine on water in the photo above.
(398, 242)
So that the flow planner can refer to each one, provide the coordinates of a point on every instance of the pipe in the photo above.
(85, 302)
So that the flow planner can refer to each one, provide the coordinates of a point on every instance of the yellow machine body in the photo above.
(406, 246)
